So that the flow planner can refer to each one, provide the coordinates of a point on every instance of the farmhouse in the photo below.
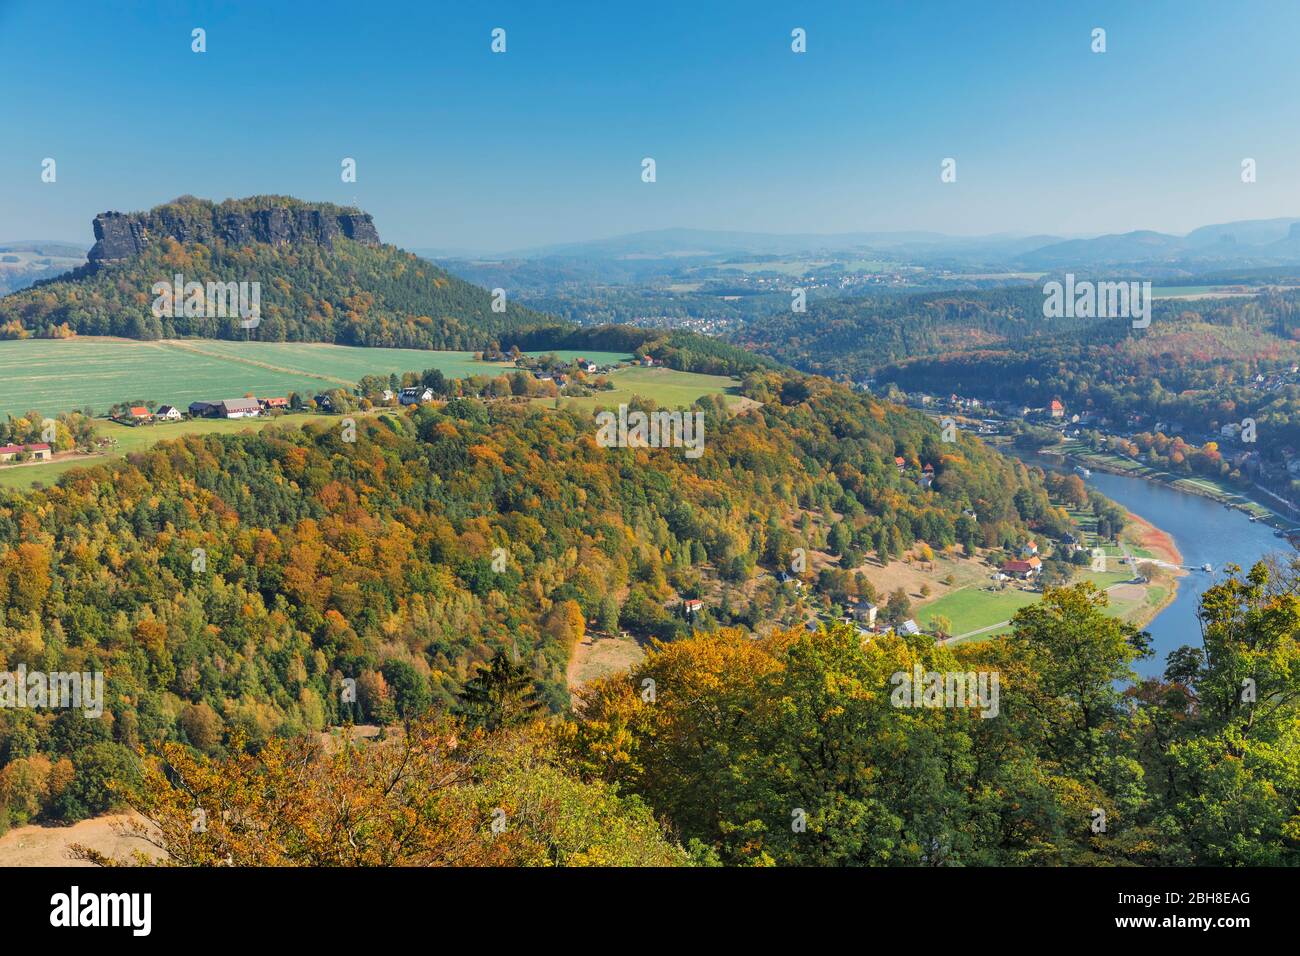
(239, 407)
(270, 403)
(1024, 570)
(168, 413)
(692, 606)
(39, 452)
(414, 396)
(140, 414)
(226, 408)
(863, 611)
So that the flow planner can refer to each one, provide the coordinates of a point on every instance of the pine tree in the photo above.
(499, 695)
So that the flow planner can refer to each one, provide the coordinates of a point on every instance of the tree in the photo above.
(425, 797)
(899, 607)
(500, 695)
(1079, 655)
(607, 616)
(409, 689)
(201, 725)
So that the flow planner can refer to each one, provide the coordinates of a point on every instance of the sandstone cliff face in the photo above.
(122, 235)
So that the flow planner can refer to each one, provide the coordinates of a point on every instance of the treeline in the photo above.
(64, 432)
(232, 584)
(679, 349)
(1197, 364)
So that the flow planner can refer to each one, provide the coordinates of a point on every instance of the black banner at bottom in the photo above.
(146, 906)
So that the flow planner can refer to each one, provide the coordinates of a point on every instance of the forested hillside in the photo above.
(232, 583)
(855, 336)
(1197, 363)
(317, 284)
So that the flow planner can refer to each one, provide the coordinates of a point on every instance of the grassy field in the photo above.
(666, 386)
(973, 608)
(185, 367)
(55, 376)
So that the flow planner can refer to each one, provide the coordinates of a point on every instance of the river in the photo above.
(1204, 531)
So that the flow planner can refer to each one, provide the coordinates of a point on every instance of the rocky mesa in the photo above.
(275, 220)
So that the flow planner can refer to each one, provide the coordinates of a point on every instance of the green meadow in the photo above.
(667, 387)
(973, 608)
(53, 376)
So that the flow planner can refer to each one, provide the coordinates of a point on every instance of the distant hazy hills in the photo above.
(26, 261)
(1248, 242)
(709, 243)
(54, 248)
(1258, 242)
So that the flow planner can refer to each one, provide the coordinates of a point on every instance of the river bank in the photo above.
(1160, 545)
(1201, 531)
(1198, 485)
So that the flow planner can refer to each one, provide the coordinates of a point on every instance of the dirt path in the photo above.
(51, 846)
(61, 456)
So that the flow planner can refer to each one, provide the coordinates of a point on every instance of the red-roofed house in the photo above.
(40, 452)
(1025, 570)
(140, 413)
(1056, 409)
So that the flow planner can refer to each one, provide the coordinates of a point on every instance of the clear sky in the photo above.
(459, 147)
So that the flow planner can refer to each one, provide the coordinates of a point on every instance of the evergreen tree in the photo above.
(500, 695)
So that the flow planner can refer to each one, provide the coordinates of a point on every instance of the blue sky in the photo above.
(458, 147)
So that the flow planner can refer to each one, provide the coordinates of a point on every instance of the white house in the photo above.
(240, 407)
(416, 395)
(863, 611)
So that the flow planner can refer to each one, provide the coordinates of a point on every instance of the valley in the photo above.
(420, 504)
